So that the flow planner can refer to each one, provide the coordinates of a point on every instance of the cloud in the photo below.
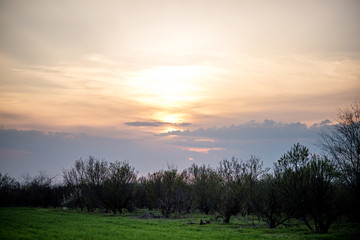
(30, 151)
(202, 150)
(268, 139)
(155, 124)
(268, 129)
(322, 123)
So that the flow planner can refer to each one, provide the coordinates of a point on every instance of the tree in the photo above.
(308, 184)
(96, 175)
(323, 200)
(8, 190)
(75, 181)
(168, 191)
(119, 186)
(205, 188)
(36, 191)
(85, 181)
(140, 197)
(237, 179)
(342, 143)
(267, 203)
(231, 195)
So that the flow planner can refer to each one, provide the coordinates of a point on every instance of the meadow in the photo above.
(41, 223)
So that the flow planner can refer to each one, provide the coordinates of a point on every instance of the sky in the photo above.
(166, 82)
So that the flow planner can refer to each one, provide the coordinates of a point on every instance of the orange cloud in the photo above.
(202, 150)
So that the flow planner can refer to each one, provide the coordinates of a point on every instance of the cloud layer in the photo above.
(32, 151)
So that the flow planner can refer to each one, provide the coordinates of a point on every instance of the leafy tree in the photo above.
(153, 189)
(8, 190)
(308, 184)
(140, 197)
(36, 191)
(96, 175)
(205, 188)
(232, 195)
(238, 179)
(323, 201)
(85, 181)
(267, 203)
(290, 176)
(253, 172)
(168, 190)
(119, 186)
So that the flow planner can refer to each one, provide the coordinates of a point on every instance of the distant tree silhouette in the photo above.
(36, 191)
(9, 188)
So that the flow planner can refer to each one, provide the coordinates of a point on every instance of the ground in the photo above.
(39, 223)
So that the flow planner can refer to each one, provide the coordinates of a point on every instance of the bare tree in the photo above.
(342, 143)
(75, 181)
(85, 181)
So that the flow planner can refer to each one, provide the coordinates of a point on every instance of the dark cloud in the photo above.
(268, 129)
(31, 151)
(268, 139)
(145, 124)
(155, 124)
(321, 124)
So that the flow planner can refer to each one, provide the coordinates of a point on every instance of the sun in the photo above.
(170, 117)
(167, 86)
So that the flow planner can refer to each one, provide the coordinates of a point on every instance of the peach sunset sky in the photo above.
(157, 82)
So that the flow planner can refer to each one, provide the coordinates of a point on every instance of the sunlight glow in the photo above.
(169, 117)
(167, 86)
(171, 130)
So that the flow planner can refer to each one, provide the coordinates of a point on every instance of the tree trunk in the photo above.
(227, 218)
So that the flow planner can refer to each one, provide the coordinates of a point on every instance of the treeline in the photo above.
(303, 186)
(315, 189)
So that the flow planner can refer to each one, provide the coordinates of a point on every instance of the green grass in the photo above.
(38, 223)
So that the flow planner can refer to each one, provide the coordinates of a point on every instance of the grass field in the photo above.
(38, 223)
